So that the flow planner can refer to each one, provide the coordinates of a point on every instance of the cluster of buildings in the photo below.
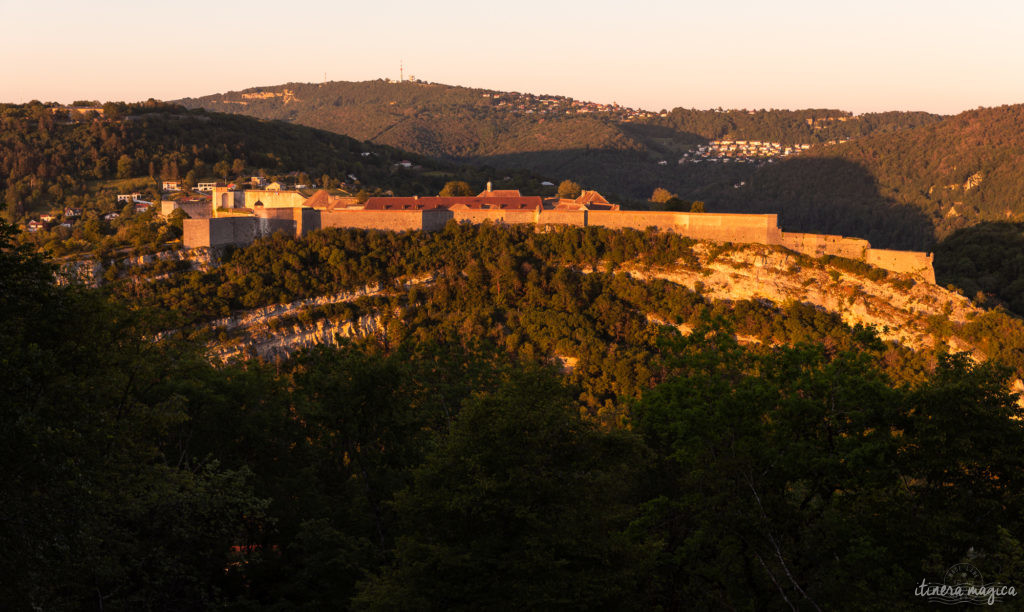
(240, 217)
(741, 151)
(257, 182)
(744, 151)
(65, 218)
(530, 104)
(136, 199)
(71, 215)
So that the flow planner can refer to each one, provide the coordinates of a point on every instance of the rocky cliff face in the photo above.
(275, 331)
(90, 272)
(897, 306)
(279, 343)
(902, 309)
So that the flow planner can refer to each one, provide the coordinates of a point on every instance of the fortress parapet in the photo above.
(292, 213)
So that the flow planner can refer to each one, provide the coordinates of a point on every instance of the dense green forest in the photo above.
(824, 194)
(950, 174)
(537, 295)
(807, 126)
(48, 161)
(432, 119)
(987, 262)
(444, 463)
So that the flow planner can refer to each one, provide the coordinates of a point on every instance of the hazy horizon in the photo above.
(876, 56)
(70, 100)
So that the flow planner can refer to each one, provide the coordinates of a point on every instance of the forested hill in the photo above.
(432, 119)
(901, 190)
(609, 147)
(49, 160)
(807, 126)
(962, 170)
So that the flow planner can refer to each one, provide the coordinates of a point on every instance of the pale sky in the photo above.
(935, 55)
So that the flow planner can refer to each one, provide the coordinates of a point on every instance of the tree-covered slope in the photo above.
(807, 126)
(954, 173)
(608, 147)
(442, 461)
(48, 162)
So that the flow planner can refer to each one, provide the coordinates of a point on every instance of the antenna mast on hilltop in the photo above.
(401, 71)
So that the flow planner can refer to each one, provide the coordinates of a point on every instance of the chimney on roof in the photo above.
(488, 186)
(415, 197)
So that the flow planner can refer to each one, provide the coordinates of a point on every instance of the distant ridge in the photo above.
(612, 148)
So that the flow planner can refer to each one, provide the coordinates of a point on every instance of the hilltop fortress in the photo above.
(240, 217)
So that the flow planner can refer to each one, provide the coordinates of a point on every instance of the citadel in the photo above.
(240, 217)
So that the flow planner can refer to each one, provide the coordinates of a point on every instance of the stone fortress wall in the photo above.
(222, 231)
(223, 197)
(297, 220)
(393, 220)
(909, 262)
(271, 198)
(194, 210)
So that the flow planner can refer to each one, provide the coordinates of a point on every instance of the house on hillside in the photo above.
(171, 186)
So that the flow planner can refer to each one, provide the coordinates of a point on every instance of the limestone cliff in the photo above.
(896, 305)
(90, 272)
(276, 331)
(900, 307)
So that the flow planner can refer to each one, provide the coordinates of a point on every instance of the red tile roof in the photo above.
(591, 197)
(475, 203)
(588, 200)
(403, 203)
(500, 193)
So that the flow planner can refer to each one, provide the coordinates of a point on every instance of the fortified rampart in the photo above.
(223, 197)
(818, 245)
(237, 231)
(909, 262)
(394, 220)
(273, 199)
(279, 212)
(251, 198)
(194, 210)
(478, 215)
(631, 219)
(562, 217)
